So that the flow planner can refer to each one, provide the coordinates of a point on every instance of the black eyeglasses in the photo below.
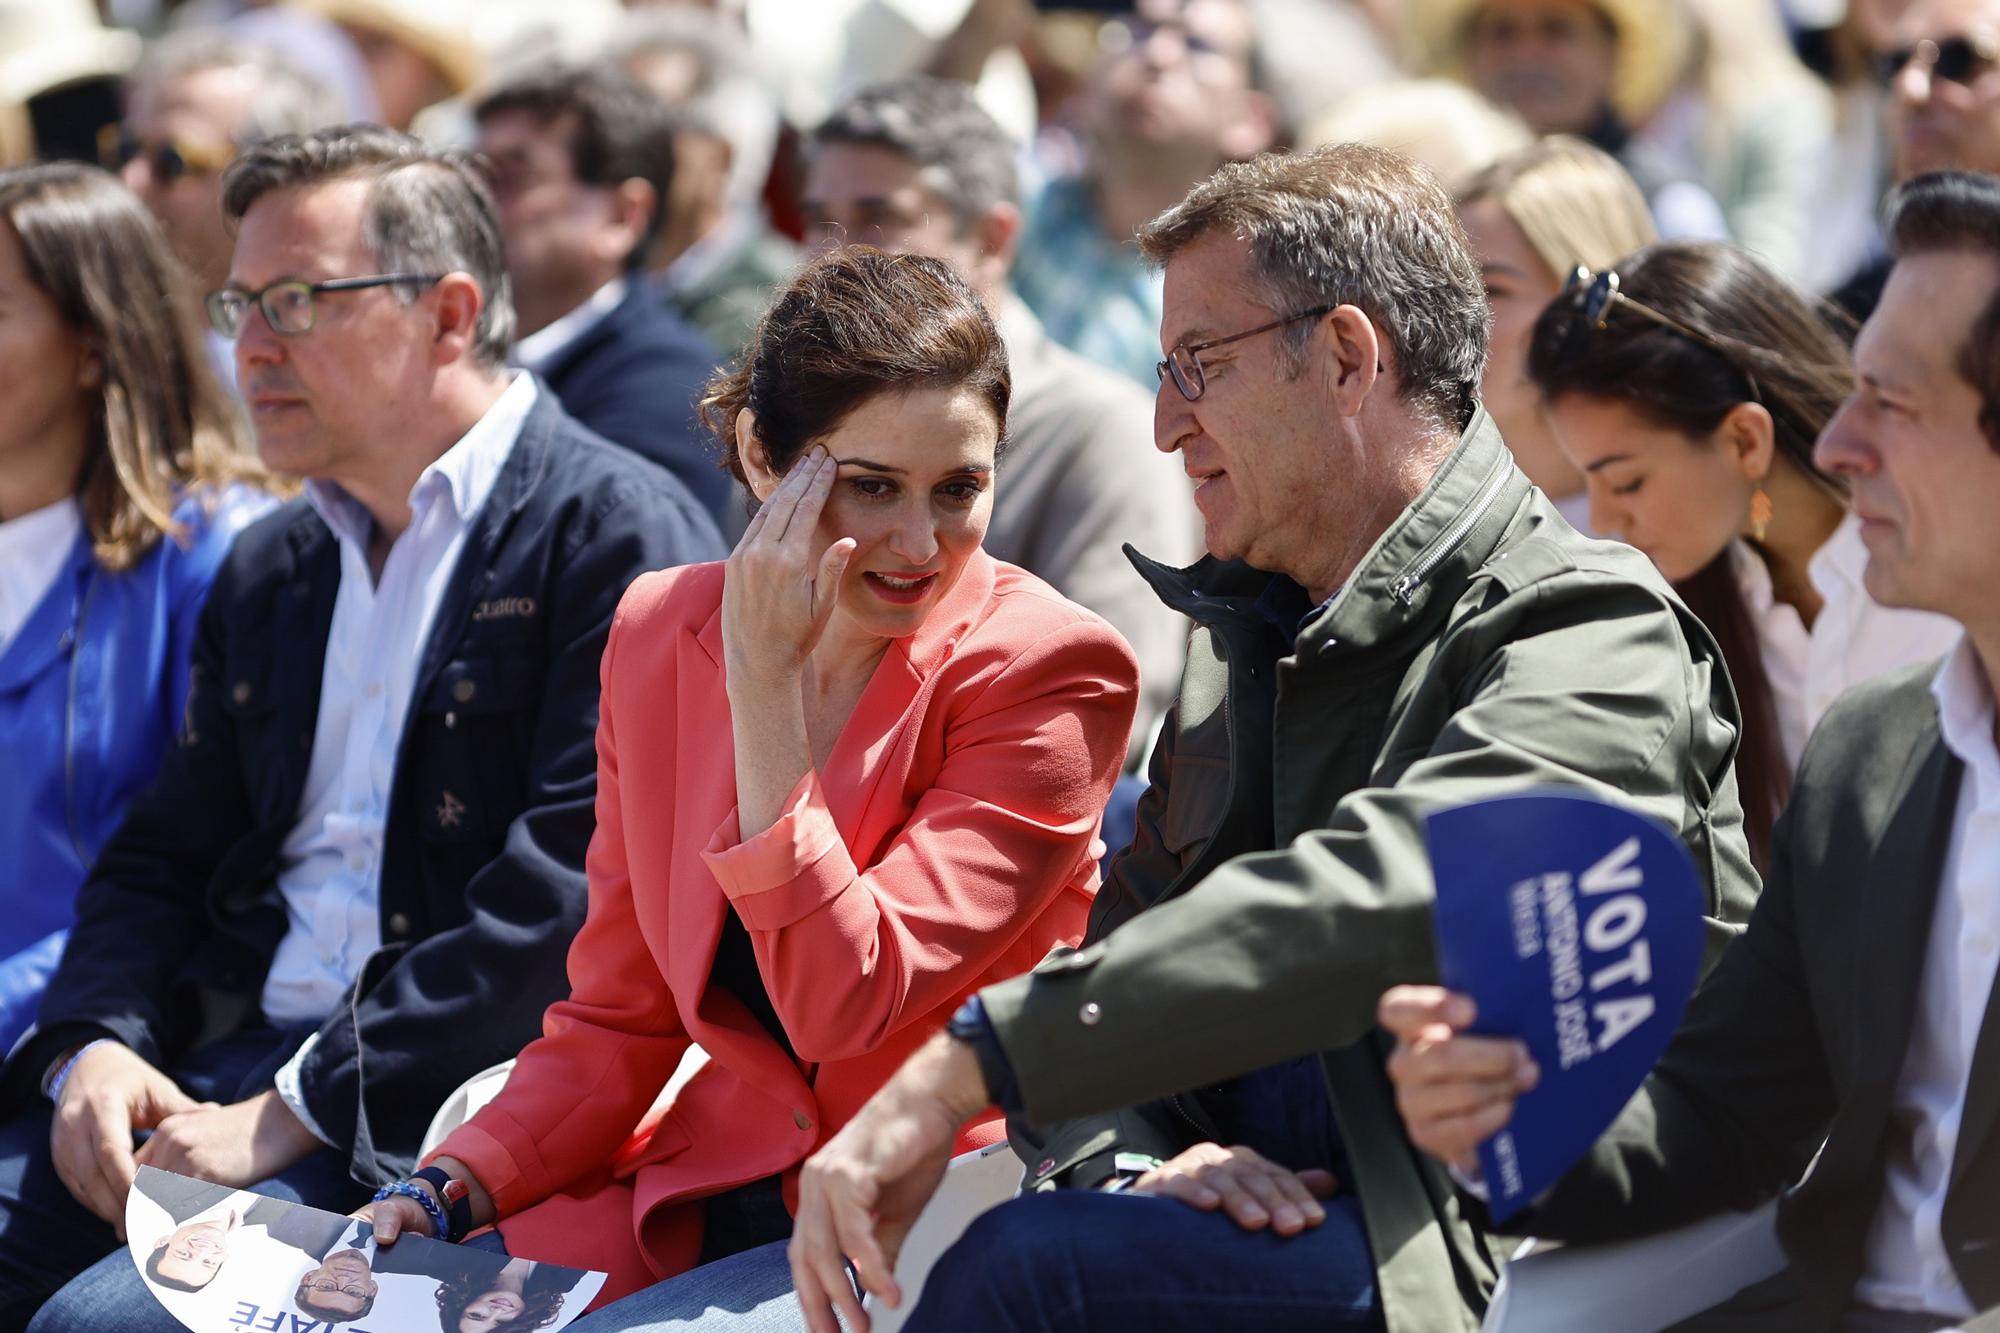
(289, 304)
(1184, 362)
(170, 159)
(1957, 60)
(1599, 293)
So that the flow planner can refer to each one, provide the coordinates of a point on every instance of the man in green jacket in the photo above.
(1392, 620)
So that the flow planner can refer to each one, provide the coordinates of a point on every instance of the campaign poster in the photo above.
(228, 1261)
(1576, 926)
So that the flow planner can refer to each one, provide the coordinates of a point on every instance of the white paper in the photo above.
(228, 1261)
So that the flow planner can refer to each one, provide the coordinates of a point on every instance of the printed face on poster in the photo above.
(228, 1261)
(1576, 926)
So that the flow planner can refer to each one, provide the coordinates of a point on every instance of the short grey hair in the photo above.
(729, 98)
(429, 210)
(287, 100)
(939, 125)
(1347, 224)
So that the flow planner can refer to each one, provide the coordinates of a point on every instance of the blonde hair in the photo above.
(160, 424)
(1573, 202)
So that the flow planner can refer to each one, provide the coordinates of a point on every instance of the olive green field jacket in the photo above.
(1279, 881)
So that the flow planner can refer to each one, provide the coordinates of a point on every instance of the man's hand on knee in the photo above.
(110, 1094)
(1254, 1191)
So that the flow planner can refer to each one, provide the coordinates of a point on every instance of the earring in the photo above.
(1760, 514)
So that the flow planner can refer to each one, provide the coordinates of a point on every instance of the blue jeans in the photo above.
(48, 1238)
(750, 1292)
(1076, 1260)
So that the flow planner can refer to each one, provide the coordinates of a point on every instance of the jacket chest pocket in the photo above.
(470, 734)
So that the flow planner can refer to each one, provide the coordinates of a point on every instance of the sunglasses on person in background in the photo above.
(1598, 293)
(291, 305)
(170, 159)
(1183, 364)
(1957, 60)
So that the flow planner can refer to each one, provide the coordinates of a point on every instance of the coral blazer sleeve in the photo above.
(850, 956)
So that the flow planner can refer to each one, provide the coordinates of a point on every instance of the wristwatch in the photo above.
(456, 1196)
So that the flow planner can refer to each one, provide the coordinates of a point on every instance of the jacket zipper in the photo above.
(1404, 589)
(69, 724)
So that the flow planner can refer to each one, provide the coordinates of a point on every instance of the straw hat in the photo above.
(442, 30)
(1653, 47)
(48, 44)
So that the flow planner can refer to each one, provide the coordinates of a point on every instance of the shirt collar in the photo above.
(44, 534)
(462, 475)
(1965, 711)
(545, 344)
(1288, 606)
(707, 254)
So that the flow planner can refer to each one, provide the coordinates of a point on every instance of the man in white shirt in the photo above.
(355, 883)
(1858, 1010)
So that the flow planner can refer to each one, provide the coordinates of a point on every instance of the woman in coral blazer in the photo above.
(844, 781)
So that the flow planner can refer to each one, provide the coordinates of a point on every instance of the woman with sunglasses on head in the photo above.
(1532, 218)
(1688, 385)
(844, 780)
(123, 478)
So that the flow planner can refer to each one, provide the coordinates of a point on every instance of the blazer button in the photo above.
(450, 719)
(241, 694)
(802, 1120)
(398, 924)
(463, 691)
(1090, 1015)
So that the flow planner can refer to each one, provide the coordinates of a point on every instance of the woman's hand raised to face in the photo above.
(779, 592)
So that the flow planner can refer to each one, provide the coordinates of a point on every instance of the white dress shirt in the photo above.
(33, 550)
(536, 350)
(330, 866)
(1853, 638)
(1907, 1267)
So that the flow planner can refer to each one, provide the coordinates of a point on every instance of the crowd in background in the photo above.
(387, 343)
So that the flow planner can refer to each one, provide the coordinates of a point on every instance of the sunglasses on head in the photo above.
(170, 159)
(1597, 293)
(1957, 60)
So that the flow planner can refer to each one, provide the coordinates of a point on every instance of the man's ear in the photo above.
(456, 302)
(994, 236)
(1352, 356)
(633, 203)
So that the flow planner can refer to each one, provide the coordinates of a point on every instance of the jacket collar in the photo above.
(627, 312)
(1412, 574)
(524, 472)
(1906, 868)
(548, 349)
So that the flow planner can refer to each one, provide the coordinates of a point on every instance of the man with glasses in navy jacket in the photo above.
(357, 877)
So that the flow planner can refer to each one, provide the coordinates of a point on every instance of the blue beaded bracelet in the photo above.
(439, 1227)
